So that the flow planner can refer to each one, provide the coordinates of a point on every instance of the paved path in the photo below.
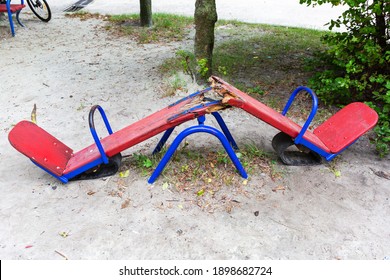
(280, 12)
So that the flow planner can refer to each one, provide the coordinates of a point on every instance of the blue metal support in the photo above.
(225, 129)
(163, 140)
(93, 130)
(196, 129)
(84, 168)
(299, 138)
(201, 120)
(63, 179)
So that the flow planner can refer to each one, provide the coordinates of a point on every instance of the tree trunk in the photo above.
(205, 19)
(146, 12)
(381, 26)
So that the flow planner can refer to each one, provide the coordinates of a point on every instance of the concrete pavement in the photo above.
(281, 12)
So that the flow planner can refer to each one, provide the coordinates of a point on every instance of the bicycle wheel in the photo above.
(40, 8)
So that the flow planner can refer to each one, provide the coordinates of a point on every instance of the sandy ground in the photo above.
(67, 66)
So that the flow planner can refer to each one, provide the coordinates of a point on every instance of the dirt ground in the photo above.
(68, 66)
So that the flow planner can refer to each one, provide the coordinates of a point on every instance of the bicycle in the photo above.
(40, 8)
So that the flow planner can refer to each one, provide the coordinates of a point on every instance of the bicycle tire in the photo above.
(41, 9)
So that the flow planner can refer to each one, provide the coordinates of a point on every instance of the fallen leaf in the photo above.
(34, 114)
(337, 173)
(124, 174)
(125, 204)
(279, 188)
(381, 174)
(64, 234)
(165, 186)
(245, 182)
(91, 193)
(200, 193)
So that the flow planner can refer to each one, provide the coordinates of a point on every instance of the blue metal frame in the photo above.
(201, 120)
(163, 140)
(93, 130)
(225, 129)
(103, 157)
(63, 179)
(299, 139)
(312, 113)
(226, 140)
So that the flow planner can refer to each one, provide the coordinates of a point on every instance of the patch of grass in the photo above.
(268, 56)
(173, 84)
(261, 58)
(256, 90)
(187, 164)
(143, 163)
(207, 177)
(166, 27)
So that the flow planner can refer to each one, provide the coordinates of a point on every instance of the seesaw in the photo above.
(104, 156)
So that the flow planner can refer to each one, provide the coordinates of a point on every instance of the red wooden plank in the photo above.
(40, 146)
(267, 114)
(347, 125)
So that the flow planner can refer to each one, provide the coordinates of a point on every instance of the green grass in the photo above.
(166, 27)
(206, 175)
(258, 56)
(268, 50)
(188, 164)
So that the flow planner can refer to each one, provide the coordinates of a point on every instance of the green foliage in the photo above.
(202, 68)
(143, 161)
(257, 90)
(186, 60)
(356, 65)
(222, 70)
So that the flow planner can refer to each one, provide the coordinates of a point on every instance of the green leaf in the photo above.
(148, 163)
(200, 193)
(124, 174)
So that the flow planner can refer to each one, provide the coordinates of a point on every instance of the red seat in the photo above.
(347, 125)
(40, 146)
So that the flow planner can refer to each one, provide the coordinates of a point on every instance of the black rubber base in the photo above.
(100, 171)
(281, 142)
